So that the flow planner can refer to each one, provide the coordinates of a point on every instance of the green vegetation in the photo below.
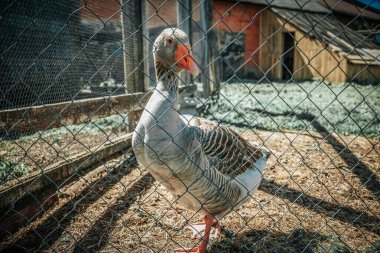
(11, 170)
(348, 109)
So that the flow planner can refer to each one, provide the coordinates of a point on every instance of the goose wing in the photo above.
(229, 152)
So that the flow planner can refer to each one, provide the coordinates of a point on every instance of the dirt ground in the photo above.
(309, 201)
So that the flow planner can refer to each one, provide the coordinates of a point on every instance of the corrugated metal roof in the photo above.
(332, 32)
(371, 3)
(350, 9)
(321, 6)
(304, 5)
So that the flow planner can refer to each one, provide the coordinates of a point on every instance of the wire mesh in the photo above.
(299, 78)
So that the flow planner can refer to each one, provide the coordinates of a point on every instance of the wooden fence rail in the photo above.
(39, 118)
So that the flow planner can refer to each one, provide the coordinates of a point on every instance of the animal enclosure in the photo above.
(300, 78)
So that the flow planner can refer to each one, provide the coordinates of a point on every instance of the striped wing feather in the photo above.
(229, 152)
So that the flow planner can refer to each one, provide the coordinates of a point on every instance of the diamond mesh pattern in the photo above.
(300, 78)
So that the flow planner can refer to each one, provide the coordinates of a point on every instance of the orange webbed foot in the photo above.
(188, 250)
(198, 230)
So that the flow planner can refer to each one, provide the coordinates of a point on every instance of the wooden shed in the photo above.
(314, 44)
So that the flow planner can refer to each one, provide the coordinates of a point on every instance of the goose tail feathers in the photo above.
(260, 164)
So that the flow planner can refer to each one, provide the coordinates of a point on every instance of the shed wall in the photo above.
(361, 73)
(315, 60)
(311, 58)
(271, 45)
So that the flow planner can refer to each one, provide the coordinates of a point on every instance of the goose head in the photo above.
(172, 53)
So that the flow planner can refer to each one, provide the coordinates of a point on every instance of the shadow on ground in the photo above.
(262, 241)
(45, 234)
(97, 237)
(336, 211)
(367, 177)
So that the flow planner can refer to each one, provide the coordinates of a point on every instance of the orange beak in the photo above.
(184, 59)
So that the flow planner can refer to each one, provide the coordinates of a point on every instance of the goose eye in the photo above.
(170, 40)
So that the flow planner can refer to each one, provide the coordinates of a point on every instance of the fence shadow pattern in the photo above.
(298, 78)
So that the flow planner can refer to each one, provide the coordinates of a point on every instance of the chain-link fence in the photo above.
(106, 146)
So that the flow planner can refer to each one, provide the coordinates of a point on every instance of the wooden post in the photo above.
(184, 23)
(205, 15)
(215, 68)
(213, 40)
(133, 51)
(146, 46)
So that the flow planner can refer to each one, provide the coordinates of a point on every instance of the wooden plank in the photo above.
(360, 57)
(38, 118)
(15, 189)
(361, 62)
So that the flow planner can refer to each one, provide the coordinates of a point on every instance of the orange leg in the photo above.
(209, 220)
(202, 248)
